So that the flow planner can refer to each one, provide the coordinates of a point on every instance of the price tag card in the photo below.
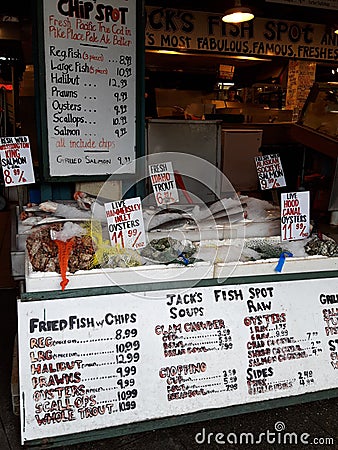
(164, 185)
(295, 215)
(270, 171)
(16, 161)
(125, 223)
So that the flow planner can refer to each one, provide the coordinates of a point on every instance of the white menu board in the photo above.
(90, 81)
(94, 362)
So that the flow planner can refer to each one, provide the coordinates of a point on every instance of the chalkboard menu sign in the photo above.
(90, 86)
(95, 362)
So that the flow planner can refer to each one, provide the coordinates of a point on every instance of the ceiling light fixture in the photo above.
(238, 14)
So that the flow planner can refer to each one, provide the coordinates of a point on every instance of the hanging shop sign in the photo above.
(270, 171)
(16, 161)
(171, 29)
(90, 82)
(323, 4)
(94, 362)
(295, 215)
(163, 181)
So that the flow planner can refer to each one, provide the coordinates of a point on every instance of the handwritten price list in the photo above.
(90, 87)
(114, 359)
(124, 71)
(95, 380)
(195, 338)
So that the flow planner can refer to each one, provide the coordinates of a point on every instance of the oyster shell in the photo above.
(321, 247)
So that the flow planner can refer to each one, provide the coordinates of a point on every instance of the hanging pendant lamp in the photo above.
(238, 14)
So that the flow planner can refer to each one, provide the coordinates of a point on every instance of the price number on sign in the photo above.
(230, 379)
(125, 334)
(19, 174)
(164, 197)
(287, 232)
(127, 395)
(314, 347)
(126, 383)
(121, 132)
(120, 109)
(126, 371)
(306, 377)
(124, 72)
(119, 121)
(282, 333)
(132, 233)
(302, 229)
(311, 334)
(264, 184)
(123, 347)
(127, 358)
(135, 235)
(271, 183)
(125, 60)
(224, 339)
(124, 160)
(8, 177)
(121, 96)
(117, 83)
(116, 237)
(127, 406)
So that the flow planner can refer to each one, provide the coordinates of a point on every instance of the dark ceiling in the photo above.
(261, 8)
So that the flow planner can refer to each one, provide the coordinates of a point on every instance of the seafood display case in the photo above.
(229, 238)
(317, 126)
(209, 327)
(215, 315)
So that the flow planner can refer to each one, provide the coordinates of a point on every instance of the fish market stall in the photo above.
(210, 308)
(172, 302)
(187, 242)
(204, 317)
